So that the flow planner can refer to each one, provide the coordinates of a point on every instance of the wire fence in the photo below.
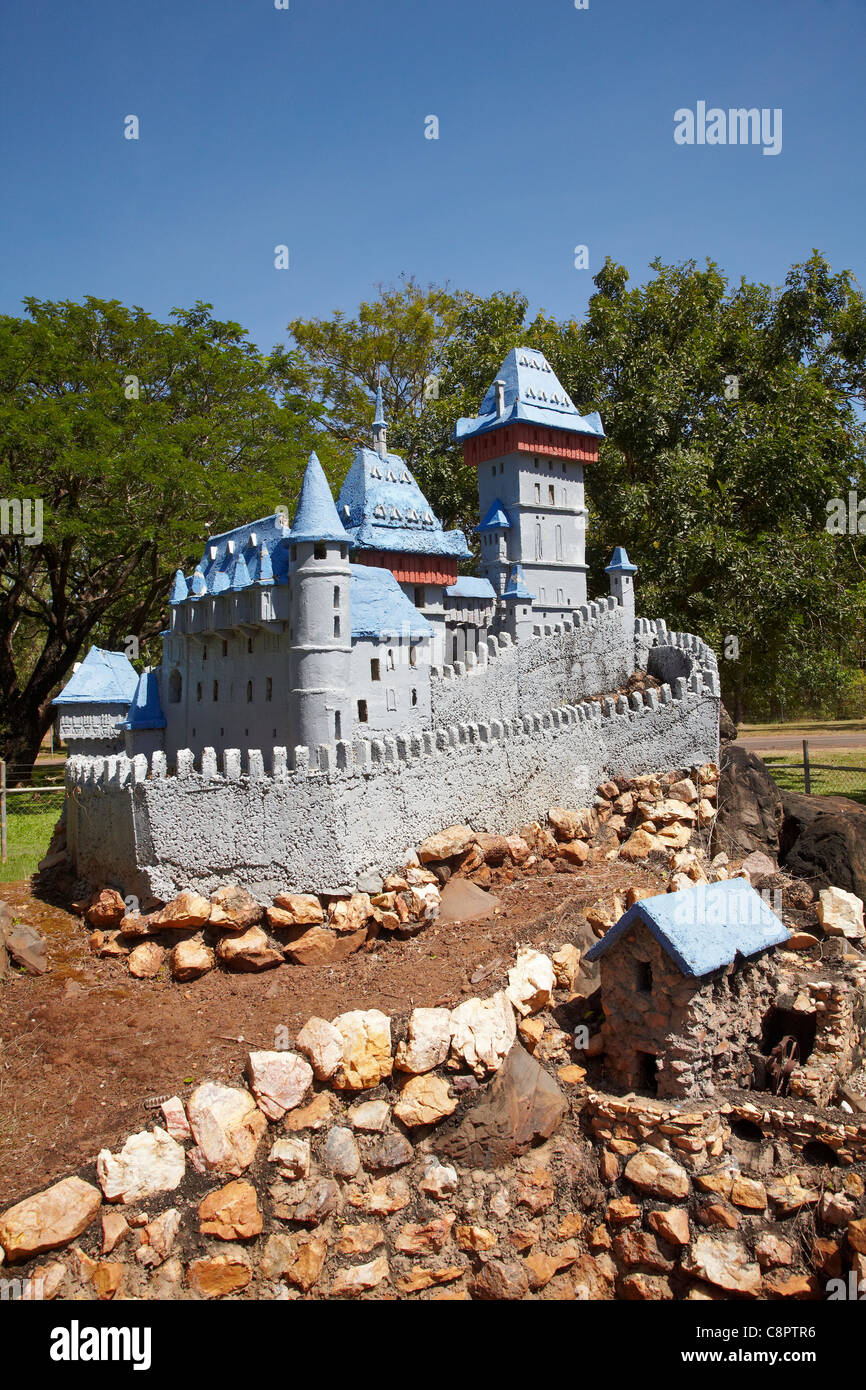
(819, 778)
(40, 792)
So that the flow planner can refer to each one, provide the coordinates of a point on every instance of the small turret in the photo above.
(380, 429)
(517, 601)
(319, 702)
(621, 574)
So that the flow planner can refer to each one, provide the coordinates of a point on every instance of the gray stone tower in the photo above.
(529, 446)
(321, 635)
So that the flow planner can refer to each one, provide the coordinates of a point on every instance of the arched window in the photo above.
(175, 687)
(559, 542)
(538, 540)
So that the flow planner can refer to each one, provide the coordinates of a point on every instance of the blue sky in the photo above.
(305, 127)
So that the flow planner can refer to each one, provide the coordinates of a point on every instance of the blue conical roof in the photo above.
(620, 564)
(179, 588)
(532, 394)
(517, 586)
(266, 569)
(316, 518)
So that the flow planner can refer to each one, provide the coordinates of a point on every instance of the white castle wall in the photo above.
(579, 656)
(324, 818)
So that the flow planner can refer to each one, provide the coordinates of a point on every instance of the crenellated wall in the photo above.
(578, 657)
(321, 818)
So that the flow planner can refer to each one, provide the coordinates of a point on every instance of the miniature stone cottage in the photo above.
(687, 980)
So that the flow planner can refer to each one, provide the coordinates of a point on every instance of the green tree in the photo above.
(138, 437)
(730, 424)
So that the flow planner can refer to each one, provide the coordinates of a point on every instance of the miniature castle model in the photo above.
(305, 664)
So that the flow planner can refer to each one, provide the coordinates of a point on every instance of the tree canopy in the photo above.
(733, 416)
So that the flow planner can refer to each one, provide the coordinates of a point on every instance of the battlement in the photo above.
(374, 756)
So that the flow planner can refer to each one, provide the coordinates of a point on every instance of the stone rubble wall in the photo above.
(702, 1032)
(322, 819)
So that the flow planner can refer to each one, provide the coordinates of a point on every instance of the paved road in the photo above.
(756, 742)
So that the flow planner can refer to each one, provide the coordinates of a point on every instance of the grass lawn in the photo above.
(787, 771)
(28, 830)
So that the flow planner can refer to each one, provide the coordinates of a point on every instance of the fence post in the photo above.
(3, 809)
(807, 776)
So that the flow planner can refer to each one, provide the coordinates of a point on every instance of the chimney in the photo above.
(499, 387)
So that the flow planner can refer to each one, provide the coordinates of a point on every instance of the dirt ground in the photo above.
(83, 1047)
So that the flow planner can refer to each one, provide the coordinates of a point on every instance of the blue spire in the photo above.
(179, 588)
(199, 583)
(379, 416)
(620, 564)
(517, 587)
(266, 569)
(240, 575)
(316, 518)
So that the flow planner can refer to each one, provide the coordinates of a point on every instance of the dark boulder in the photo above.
(749, 803)
(522, 1106)
(823, 840)
(727, 727)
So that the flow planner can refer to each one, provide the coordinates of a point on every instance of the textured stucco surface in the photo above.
(319, 830)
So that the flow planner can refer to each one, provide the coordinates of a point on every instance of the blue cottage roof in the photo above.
(532, 394)
(145, 712)
(316, 517)
(517, 586)
(383, 508)
(103, 678)
(496, 519)
(379, 607)
(703, 928)
(469, 587)
(620, 564)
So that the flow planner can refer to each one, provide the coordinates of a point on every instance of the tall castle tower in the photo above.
(321, 638)
(529, 446)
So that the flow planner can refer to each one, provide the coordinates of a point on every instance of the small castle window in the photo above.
(249, 692)
(336, 627)
(216, 690)
(175, 687)
(390, 659)
(320, 551)
(338, 725)
(419, 595)
(493, 470)
(204, 652)
(413, 656)
(198, 692)
(294, 552)
(535, 462)
(538, 540)
(362, 711)
(391, 699)
(269, 688)
(336, 595)
(249, 644)
(644, 977)
(551, 494)
(501, 467)
(414, 697)
(375, 669)
(538, 492)
(225, 648)
(344, 550)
